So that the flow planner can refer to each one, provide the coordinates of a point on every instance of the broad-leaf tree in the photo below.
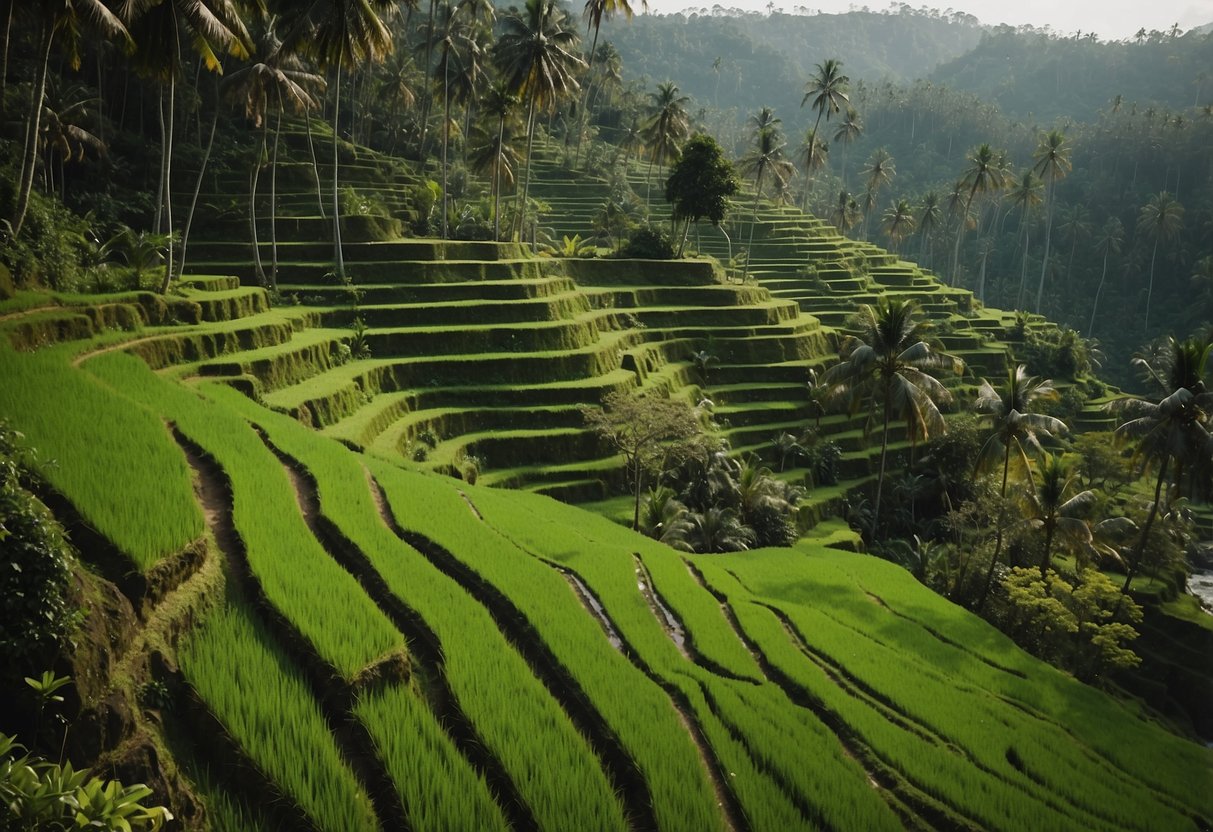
(700, 185)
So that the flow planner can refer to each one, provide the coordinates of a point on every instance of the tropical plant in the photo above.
(1174, 429)
(878, 172)
(1110, 239)
(666, 128)
(535, 56)
(887, 366)
(929, 217)
(340, 35)
(898, 222)
(849, 130)
(983, 175)
(766, 156)
(813, 155)
(717, 530)
(1016, 430)
(1025, 195)
(700, 185)
(1160, 219)
(826, 92)
(1051, 163)
(593, 14)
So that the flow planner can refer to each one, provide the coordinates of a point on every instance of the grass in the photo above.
(113, 459)
(320, 599)
(266, 706)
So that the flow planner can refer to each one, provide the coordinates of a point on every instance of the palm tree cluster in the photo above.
(715, 503)
(448, 82)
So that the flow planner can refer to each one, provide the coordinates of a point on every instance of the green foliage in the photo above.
(701, 182)
(53, 245)
(648, 244)
(1056, 353)
(114, 459)
(1082, 624)
(35, 565)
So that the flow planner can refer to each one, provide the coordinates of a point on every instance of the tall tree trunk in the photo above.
(167, 172)
(311, 149)
(636, 485)
(1098, 292)
(884, 452)
(985, 590)
(206, 158)
(526, 181)
(749, 254)
(446, 136)
(274, 198)
(253, 176)
(1051, 528)
(497, 181)
(33, 127)
(7, 6)
(585, 106)
(808, 173)
(428, 94)
(1150, 287)
(337, 253)
(1140, 550)
(1023, 268)
(1044, 264)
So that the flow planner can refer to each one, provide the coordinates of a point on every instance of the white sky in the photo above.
(1111, 19)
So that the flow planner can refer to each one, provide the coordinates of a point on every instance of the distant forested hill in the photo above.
(1034, 76)
(764, 59)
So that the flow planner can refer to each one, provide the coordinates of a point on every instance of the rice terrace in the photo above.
(453, 416)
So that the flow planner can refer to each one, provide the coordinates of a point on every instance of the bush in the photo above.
(52, 244)
(35, 616)
(648, 244)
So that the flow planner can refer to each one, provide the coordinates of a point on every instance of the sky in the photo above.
(1110, 19)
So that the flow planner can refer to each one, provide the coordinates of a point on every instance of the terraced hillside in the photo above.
(351, 643)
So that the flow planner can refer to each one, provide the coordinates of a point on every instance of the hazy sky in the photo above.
(1111, 19)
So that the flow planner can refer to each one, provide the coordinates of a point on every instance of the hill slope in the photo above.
(389, 648)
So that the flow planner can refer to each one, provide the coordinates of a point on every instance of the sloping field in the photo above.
(396, 649)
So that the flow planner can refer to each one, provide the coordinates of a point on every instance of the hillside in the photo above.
(433, 641)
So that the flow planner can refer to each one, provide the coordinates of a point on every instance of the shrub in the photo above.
(648, 244)
(35, 615)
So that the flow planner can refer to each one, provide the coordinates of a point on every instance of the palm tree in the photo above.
(898, 221)
(663, 517)
(984, 174)
(1060, 512)
(1052, 162)
(814, 153)
(1111, 237)
(845, 213)
(929, 216)
(849, 130)
(52, 18)
(717, 530)
(1025, 195)
(1174, 429)
(1016, 430)
(667, 127)
(1161, 218)
(494, 150)
(766, 156)
(593, 14)
(786, 445)
(1075, 225)
(826, 91)
(879, 172)
(341, 34)
(277, 81)
(448, 35)
(888, 365)
(535, 56)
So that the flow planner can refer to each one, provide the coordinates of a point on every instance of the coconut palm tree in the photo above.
(492, 148)
(765, 157)
(898, 221)
(1110, 239)
(1025, 195)
(594, 13)
(449, 38)
(1061, 513)
(849, 130)
(52, 18)
(1172, 430)
(1016, 430)
(845, 213)
(930, 214)
(277, 81)
(983, 175)
(535, 56)
(879, 172)
(889, 365)
(1052, 163)
(1161, 218)
(814, 153)
(340, 34)
(827, 92)
(667, 127)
